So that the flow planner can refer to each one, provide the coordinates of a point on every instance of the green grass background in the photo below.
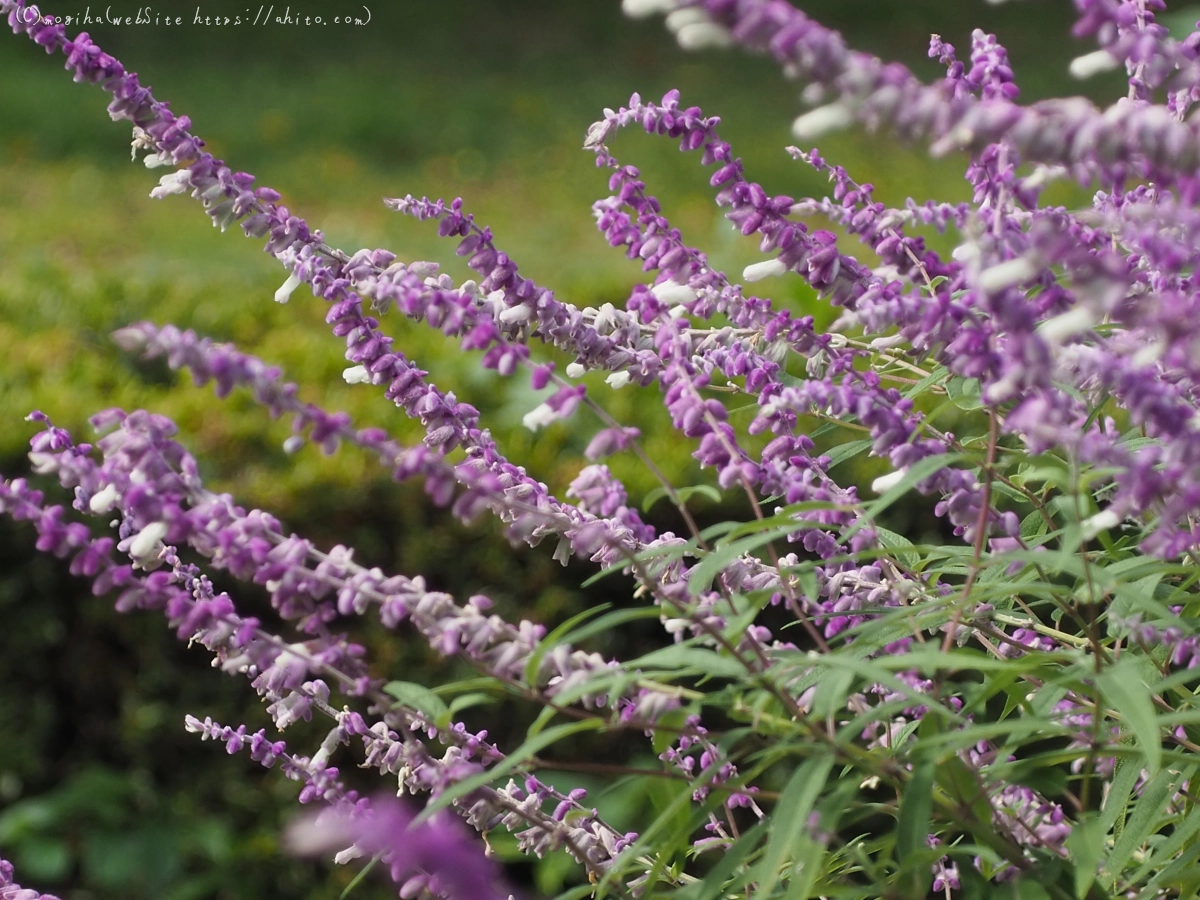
(101, 793)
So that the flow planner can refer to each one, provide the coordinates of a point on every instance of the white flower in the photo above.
(606, 318)
(171, 183)
(1149, 354)
(424, 268)
(777, 351)
(598, 134)
(846, 320)
(537, 417)
(1058, 329)
(1006, 274)
(887, 343)
(639, 9)
(1092, 64)
(316, 834)
(285, 291)
(519, 313)
(999, 391)
(1043, 174)
(345, 856)
(293, 444)
(673, 292)
(144, 544)
(576, 370)
(821, 120)
(130, 339)
(103, 501)
(141, 141)
(765, 269)
(699, 35)
(885, 483)
(676, 626)
(356, 375)
(681, 18)
(1101, 521)
(43, 463)
(618, 380)
(157, 160)
(965, 252)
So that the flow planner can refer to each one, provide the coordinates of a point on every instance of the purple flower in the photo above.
(10, 890)
(435, 855)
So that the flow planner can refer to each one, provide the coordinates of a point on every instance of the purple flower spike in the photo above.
(434, 856)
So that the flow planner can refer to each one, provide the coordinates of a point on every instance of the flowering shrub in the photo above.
(838, 712)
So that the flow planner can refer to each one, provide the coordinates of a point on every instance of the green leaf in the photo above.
(937, 376)
(1181, 835)
(608, 622)
(689, 656)
(808, 582)
(713, 885)
(578, 893)
(545, 717)
(1028, 889)
(805, 869)
(466, 701)
(470, 684)
(964, 392)
(790, 820)
(912, 828)
(667, 552)
(1143, 822)
(360, 876)
(674, 812)
(721, 557)
(662, 738)
(785, 521)
(1180, 874)
(684, 494)
(1122, 685)
(550, 641)
(1033, 525)
(999, 487)
(1117, 801)
(962, 784)
(1086, 843)
(917, 472)
(916, 807)
(848, 450)
(898, 542)
(821, 430)
(509, 764)
(418, 697)
(832, 690)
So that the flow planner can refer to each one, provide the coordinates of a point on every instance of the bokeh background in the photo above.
(102, 793)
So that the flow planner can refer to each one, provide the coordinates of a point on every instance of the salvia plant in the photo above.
(1009, 713)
